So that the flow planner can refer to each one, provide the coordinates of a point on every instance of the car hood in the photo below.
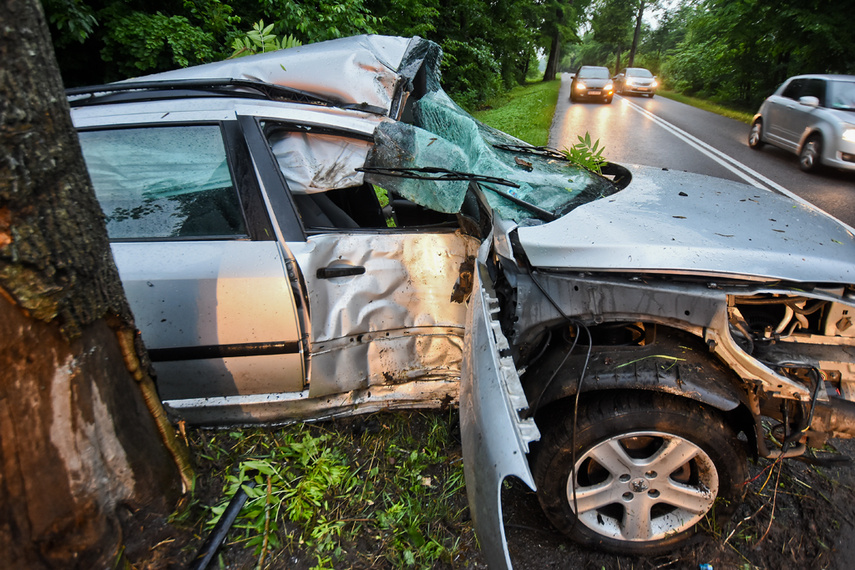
(593, 81)
(676, 222)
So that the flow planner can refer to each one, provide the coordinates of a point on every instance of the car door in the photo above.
(206, 280)
(385, 326)
(777, 115)
(797, 118)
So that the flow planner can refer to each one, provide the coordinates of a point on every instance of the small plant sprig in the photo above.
(586, 154)
(260, 40)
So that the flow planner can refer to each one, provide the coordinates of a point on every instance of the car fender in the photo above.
(676, 363)
(495, 438)
(824, 129)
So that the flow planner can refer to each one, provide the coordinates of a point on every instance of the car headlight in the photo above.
(609, 87)
(849, 134)
(655, 83)
(580, 86)
(630, 81)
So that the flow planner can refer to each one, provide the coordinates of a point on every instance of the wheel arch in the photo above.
(677, 363)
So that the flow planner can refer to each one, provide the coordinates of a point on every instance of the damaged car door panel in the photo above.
(306, 247)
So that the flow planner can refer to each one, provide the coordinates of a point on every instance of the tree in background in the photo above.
(84, 444)
(612, 26)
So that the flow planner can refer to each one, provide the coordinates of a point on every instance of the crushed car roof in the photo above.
(334, 70)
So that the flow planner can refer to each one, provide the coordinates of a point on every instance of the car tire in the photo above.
(629, 432)
(755, 135)
(608, 101)
(810, 156)
(650, 95)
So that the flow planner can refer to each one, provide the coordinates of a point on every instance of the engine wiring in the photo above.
(579, 326)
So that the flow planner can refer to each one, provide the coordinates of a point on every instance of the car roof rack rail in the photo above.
(135, 91)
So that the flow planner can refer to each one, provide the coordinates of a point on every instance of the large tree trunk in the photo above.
(636, 34)
(552, 61)
(83, 439)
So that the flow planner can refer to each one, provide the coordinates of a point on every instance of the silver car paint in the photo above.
(788, 123)
(194, 294)
(676, 222)
(393, 324)
(363, 70)
(495, 438)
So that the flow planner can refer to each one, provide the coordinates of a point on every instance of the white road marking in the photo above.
(748, 174)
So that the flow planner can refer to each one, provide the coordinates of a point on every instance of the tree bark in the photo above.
(636, 34)
(552, 62)
(82, 434)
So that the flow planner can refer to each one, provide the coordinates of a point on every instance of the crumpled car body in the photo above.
(298, 245)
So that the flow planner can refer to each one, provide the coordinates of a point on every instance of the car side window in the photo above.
(814, 88)
(164, 182)
(794, 89)
(322, 172)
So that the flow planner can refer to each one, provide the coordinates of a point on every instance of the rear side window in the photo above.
(164, 182)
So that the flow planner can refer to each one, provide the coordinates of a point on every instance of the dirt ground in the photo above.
(794, 515)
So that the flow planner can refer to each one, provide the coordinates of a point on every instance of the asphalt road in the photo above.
(664, 133)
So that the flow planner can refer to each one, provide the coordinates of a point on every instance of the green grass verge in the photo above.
(525, 112)
(382, 490)
(743, 116)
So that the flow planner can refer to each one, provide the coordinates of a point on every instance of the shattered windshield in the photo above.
(445, 136)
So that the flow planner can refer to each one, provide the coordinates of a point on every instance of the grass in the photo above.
(383, 490)
(525, 111)
(742, 116)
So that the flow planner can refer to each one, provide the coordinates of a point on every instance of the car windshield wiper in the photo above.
(435, 173)
(544, 151)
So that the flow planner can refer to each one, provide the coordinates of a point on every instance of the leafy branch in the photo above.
(261, 40)
(586, 154)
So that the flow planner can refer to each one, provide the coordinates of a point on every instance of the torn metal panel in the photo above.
(391, 318)
(495, 439)
(360, 70)
(289, 407)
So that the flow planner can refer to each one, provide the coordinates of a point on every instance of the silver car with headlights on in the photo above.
(321, 231)
(812, 116)
(635, 81)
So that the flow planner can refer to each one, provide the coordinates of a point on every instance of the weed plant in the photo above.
(381, 490)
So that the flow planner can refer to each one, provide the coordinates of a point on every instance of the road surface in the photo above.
(664, 133)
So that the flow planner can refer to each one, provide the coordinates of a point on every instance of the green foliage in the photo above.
(326, 489)
(261, 40)
(141, 42)
(525, 112)
(74, 20)
(586, 154)
(470, 71)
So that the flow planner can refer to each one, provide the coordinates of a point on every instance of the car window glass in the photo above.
(639, 73)
(446, 136)
(814, 88)
(841, 95)
(163, 182)
(793, 90)
(594, 72)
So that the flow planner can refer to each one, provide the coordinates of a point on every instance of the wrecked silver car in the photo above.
(303, 245)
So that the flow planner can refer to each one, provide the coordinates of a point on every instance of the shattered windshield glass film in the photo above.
(448, 137)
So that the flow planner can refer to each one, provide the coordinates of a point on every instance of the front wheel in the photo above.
(755, 135)
(809, 157)
(648, 468)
